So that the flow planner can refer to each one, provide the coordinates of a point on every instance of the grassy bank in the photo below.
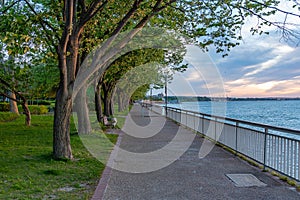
(27, 170)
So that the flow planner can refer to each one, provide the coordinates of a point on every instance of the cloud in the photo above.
(261, 67)
(279, 52)
(275, 88)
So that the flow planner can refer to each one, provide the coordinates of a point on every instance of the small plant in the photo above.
(274, 173)
(265, 170)
(298, 188)
(283, 178)
(291, 182)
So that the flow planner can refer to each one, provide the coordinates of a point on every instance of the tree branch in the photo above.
(280, 25)
(91, 12)
(10, 6)
(82, 4)
(43, 23)
(275, 8)
(156, 9)
(8, 86)
(68, 18)
(126, 18)
(9, 97)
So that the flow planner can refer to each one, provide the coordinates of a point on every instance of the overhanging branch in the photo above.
(44, 24)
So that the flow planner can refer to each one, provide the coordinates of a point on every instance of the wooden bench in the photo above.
(107, 121)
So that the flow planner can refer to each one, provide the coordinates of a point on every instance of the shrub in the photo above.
(8, 116)
(40, 102)
(4, 107)
(35, 110)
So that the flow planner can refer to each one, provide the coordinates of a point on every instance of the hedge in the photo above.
(4, 107)
(34, 109)
(40, 102)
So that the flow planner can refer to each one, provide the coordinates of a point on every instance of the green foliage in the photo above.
(29, 149)
(4, 107)
(8, 116)
(35, 109)
(40, 102)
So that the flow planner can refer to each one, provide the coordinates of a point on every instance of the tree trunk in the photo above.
(125, 100)
(27, 113)
(111, 102)
(84, 124)
(98, 102)
(61, 130)
(13, 104)
(63, 105)
(106, 106)
(120, 102)
(108, 101)
(25, 109)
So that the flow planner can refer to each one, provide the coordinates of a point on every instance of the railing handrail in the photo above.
(260, 125)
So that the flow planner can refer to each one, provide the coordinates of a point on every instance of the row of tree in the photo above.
(64, 33)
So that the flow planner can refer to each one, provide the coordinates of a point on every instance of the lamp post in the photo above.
(151, 97)
(166, 93)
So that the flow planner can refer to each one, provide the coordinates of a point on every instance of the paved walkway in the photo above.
(188, 177)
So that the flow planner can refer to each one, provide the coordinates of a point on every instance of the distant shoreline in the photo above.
(178, 99)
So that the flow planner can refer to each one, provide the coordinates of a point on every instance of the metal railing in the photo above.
(274, 147)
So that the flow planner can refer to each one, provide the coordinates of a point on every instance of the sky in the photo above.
(261, 66)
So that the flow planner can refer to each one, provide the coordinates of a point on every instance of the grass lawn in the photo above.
(27, 170)
(121, 116)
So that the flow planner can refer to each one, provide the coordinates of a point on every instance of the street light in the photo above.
(166, 92)
(151, 98)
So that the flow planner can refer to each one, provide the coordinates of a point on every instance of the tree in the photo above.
(6, 86)
(12, 79)
(120, 67)
(61, 28)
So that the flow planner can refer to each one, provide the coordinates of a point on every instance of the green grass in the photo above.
(27, 170)
(8, 116)
(121, 116)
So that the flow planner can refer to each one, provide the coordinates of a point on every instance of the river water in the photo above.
(280, 113)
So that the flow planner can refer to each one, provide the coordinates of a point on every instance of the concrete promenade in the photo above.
(219, 175)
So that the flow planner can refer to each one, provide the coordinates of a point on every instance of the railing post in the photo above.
(203, 124)
(265, 148)
(215, 129)
(194, 121)
(236, 137)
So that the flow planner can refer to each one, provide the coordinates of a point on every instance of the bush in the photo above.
(35, 110)
(8, 116)
(4, 107)
(40, 102)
